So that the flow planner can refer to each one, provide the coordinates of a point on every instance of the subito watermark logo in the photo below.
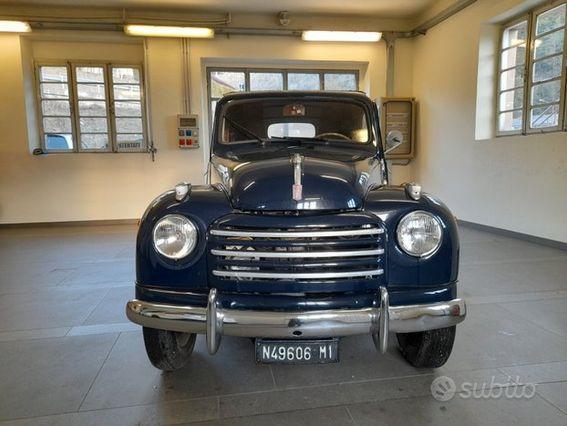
(443, 388)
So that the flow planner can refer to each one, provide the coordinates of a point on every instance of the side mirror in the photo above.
(394, 139)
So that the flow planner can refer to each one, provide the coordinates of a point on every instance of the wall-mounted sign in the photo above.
(398, 114)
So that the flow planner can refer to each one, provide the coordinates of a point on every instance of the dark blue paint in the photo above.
(399, 296)
(267, 203)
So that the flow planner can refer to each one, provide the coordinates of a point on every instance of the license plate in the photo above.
(297, 351)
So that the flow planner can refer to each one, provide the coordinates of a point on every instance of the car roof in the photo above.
(360, 96)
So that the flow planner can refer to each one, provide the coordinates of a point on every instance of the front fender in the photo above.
(391, 204)
(203, 206)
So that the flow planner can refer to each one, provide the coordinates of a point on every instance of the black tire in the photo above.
(427, 349)
(168, 350)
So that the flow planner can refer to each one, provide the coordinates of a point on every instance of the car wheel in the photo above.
(168, 350)
(427, 349)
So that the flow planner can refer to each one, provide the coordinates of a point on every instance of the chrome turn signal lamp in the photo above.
(182, 189)
(413, 190)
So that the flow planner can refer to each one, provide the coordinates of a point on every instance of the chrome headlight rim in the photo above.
(430, 252)
(187, 249)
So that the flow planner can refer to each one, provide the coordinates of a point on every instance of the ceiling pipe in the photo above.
(442, 16)
(114, 22)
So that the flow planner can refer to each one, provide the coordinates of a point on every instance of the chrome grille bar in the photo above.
(297, 275)
(297, 254)
(297, 234)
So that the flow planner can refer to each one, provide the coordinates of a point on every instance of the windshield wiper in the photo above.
(244, 130)
(298, 138)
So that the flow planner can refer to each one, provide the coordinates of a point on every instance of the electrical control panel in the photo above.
(188, 131)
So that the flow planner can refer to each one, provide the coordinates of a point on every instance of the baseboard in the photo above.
(71, 223)
(518, 235)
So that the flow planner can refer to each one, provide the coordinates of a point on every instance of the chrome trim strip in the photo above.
(216, 321)
(381, 338)
(296, 234)
(213, 323)
(297, 275)
(297, 254)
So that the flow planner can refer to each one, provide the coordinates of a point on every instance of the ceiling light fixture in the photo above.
(14, 27)
(349, 36)
(165, 31)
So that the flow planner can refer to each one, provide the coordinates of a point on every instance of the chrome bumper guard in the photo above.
(215, 321)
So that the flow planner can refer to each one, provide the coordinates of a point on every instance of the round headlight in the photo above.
(175, 236)
(419, 233)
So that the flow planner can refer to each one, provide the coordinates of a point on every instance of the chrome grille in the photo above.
(311, 254)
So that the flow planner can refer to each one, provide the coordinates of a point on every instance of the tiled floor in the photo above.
(69, 356)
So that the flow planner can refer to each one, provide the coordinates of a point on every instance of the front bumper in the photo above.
(215, 321)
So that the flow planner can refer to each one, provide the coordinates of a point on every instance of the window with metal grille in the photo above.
(531, 78)
(91, 107)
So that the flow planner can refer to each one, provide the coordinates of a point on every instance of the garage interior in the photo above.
(68, 214)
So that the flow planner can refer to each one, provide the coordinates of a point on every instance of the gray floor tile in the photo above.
(118, 327)
(195, 410)
(549, 314)
(302, 398)
(359, 361)
(128, 378)
(43, 333)
(34, 276)
(538, 373)
(518, 297)
(494, 337)
(49, 376)
(112, 307)
(117, 272)
(507, 250)
(470, 235)
(320, 416)
(512, 277)
(554, 393)
(47, 309)
(458, 411)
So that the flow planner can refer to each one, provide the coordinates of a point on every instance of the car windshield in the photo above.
(273, 119)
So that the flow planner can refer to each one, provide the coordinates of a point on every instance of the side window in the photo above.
(511, 81)
(91, 108)
(546, 71)
(531, 83)
(92, 111)
(55, 108)
(129, 122)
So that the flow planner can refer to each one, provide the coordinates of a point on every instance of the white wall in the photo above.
(71, 187)
(515, 183)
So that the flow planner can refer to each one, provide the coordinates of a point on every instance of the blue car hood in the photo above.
(267, 184)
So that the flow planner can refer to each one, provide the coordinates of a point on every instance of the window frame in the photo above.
(500, 71)
(74, 105)
(284, 71)
(531, 20)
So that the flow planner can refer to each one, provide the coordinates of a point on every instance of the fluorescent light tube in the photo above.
(164, 31)
(354, 36)
(14, 27)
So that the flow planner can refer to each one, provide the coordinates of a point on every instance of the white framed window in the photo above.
(531, 74)
(91, 107)
(221, 81)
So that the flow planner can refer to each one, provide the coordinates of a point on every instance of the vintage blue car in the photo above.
(297, 241)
